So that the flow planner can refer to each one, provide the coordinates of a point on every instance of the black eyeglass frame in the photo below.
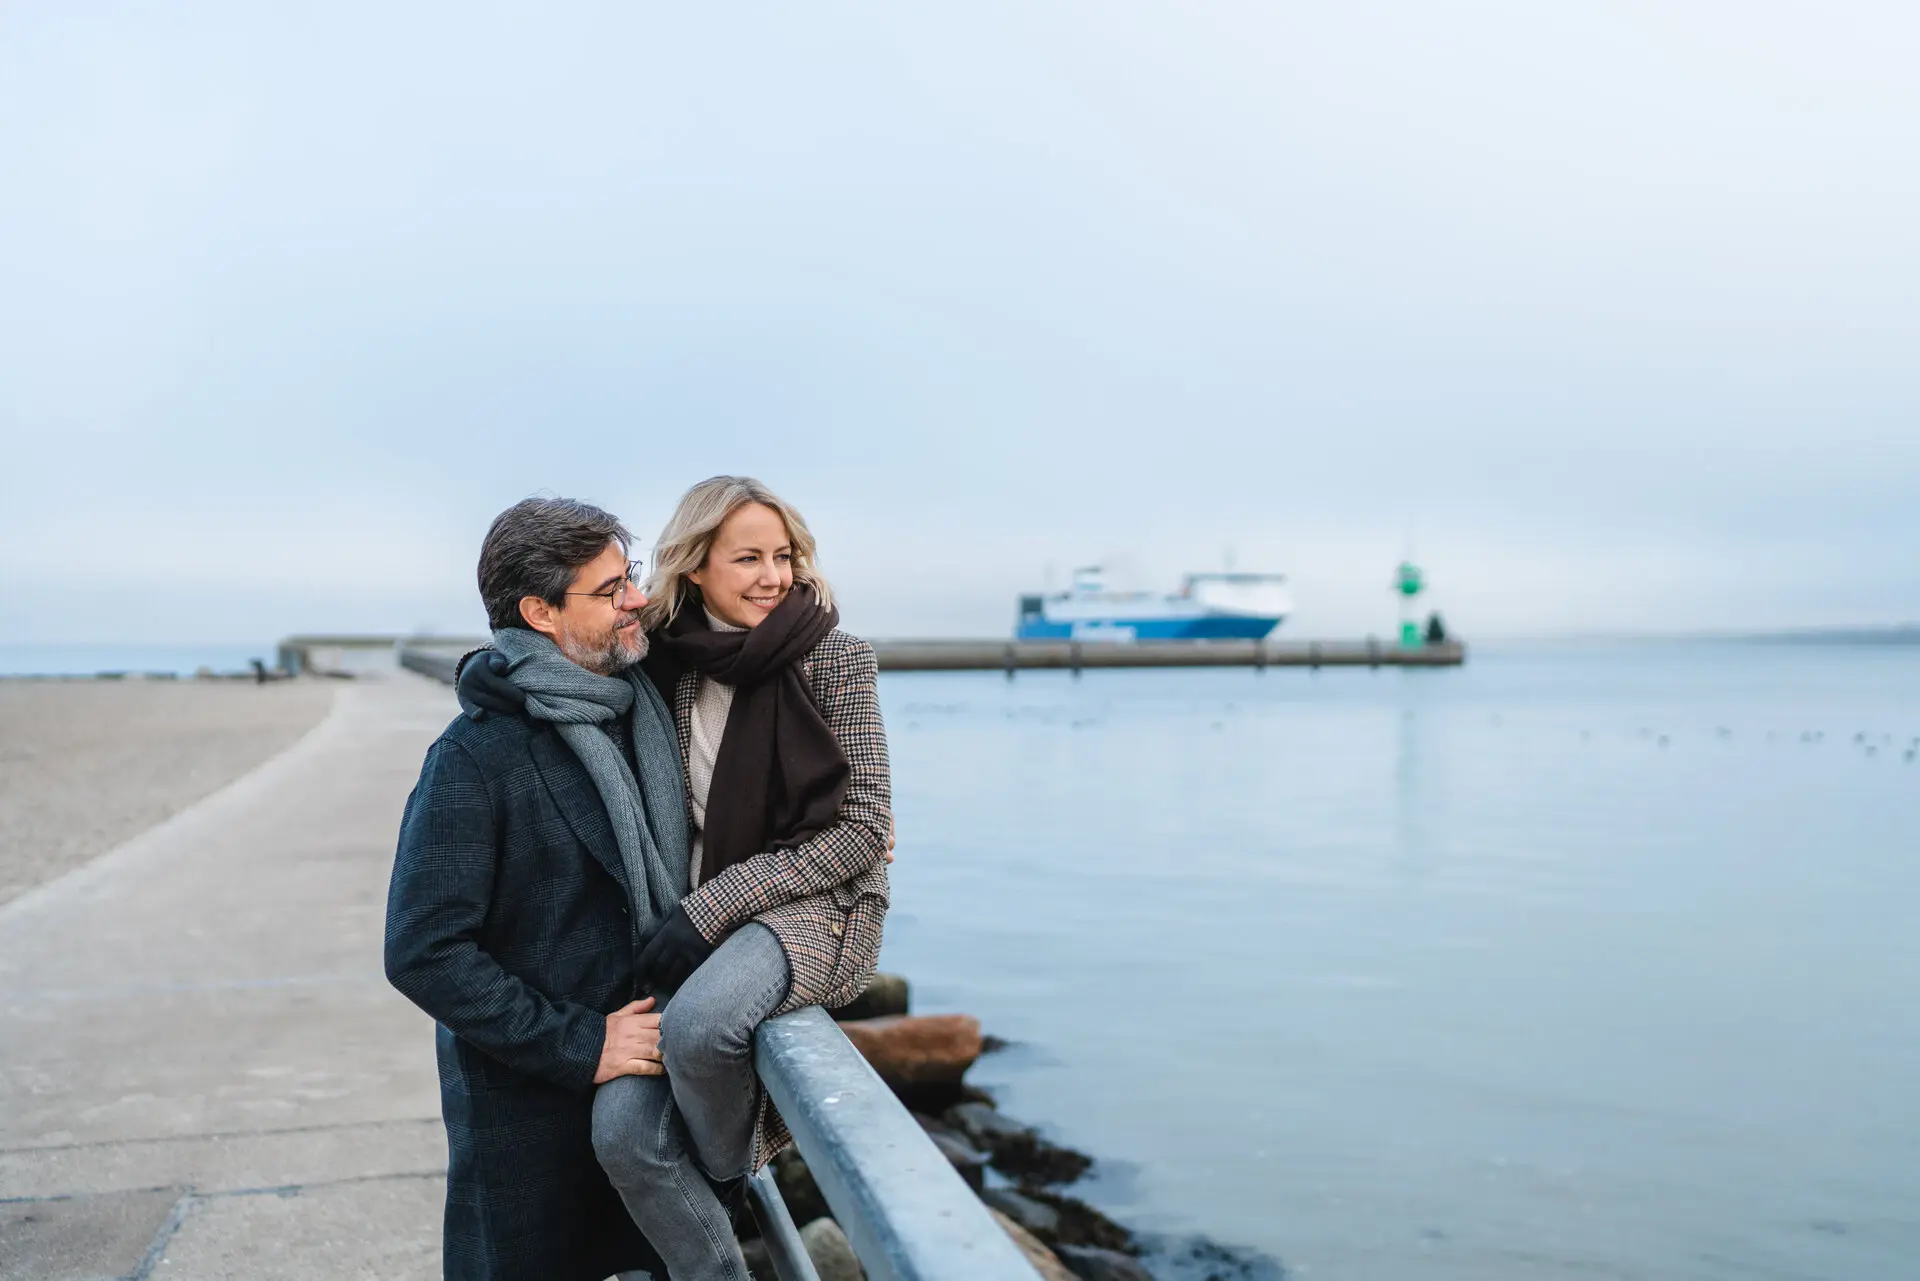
(636, 571)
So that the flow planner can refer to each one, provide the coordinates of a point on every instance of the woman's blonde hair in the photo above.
(689, 534)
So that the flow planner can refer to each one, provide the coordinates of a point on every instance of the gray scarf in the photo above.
(649, 815)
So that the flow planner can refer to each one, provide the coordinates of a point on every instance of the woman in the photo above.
(787, 781)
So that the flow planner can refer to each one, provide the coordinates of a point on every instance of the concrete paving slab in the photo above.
(204, 1007)
(217, 1061)
(87, 1238)
(228, 1162)
(369, 1230)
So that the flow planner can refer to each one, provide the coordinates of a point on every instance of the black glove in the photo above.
(483, 686)
(673, 953)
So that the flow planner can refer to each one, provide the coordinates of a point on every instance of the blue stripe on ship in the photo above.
(1212, 627)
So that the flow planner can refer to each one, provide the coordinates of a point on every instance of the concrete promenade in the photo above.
(203, 1073)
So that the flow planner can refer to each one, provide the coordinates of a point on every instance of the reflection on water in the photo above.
(1573, 962)
(1406, 779)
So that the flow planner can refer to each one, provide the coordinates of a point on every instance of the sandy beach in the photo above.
(86, 764)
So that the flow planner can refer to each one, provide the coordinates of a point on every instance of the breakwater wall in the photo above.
(434, 655)
(1069, 655)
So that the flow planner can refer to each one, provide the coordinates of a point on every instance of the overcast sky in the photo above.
(1611, 312)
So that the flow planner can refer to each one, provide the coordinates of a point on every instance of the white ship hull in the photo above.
(1207, 607)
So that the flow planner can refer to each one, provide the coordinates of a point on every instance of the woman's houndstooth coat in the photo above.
(825, 900)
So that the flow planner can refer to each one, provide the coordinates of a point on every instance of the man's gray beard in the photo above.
(622, 658)
(609, 660)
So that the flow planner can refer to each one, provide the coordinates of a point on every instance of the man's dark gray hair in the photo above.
(535, 547)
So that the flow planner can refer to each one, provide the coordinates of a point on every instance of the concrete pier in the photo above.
(1035, 655)
(203, 1072)
(302, 653)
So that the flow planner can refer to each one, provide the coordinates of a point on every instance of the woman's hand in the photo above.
(673, 953)
(483, 687)
(890, 837)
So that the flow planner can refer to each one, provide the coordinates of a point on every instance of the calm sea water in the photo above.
(1577, 962)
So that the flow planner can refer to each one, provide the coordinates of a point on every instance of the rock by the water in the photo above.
(986, 1126)
(1201, 1259)
(931, 1124)
(1090, 1263)
(917, 1049)
(968, 1161)
(759, 1262)
(1044, 1261)
(886, 995)
(1042, 1221)
(1017, 1150)
(968, 1092)
(831, 1252)
(797, 1188)
(1043, 1162)
(1081, 1224)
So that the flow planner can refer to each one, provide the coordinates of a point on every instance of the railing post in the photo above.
(791, 1262)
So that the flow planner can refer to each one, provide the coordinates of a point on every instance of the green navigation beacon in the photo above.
(1408, 583)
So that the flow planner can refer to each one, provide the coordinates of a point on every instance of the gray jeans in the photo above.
(659, 1138)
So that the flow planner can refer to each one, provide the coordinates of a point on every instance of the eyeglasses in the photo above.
(629, 581)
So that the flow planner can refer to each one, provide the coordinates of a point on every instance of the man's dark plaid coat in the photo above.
(507, 921)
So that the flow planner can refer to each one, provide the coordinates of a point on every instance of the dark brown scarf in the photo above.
(780, 774)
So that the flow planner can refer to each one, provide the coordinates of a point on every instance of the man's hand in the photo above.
(632, 1047)
(674, 952)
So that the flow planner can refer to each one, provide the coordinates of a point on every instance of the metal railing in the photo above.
(428, 662)
(785, 1247)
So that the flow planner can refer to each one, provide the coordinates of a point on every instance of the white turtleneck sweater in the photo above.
(709, 725)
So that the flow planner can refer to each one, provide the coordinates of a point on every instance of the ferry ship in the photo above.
(1226, 606)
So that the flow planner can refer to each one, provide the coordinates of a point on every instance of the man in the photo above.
(538, 855)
